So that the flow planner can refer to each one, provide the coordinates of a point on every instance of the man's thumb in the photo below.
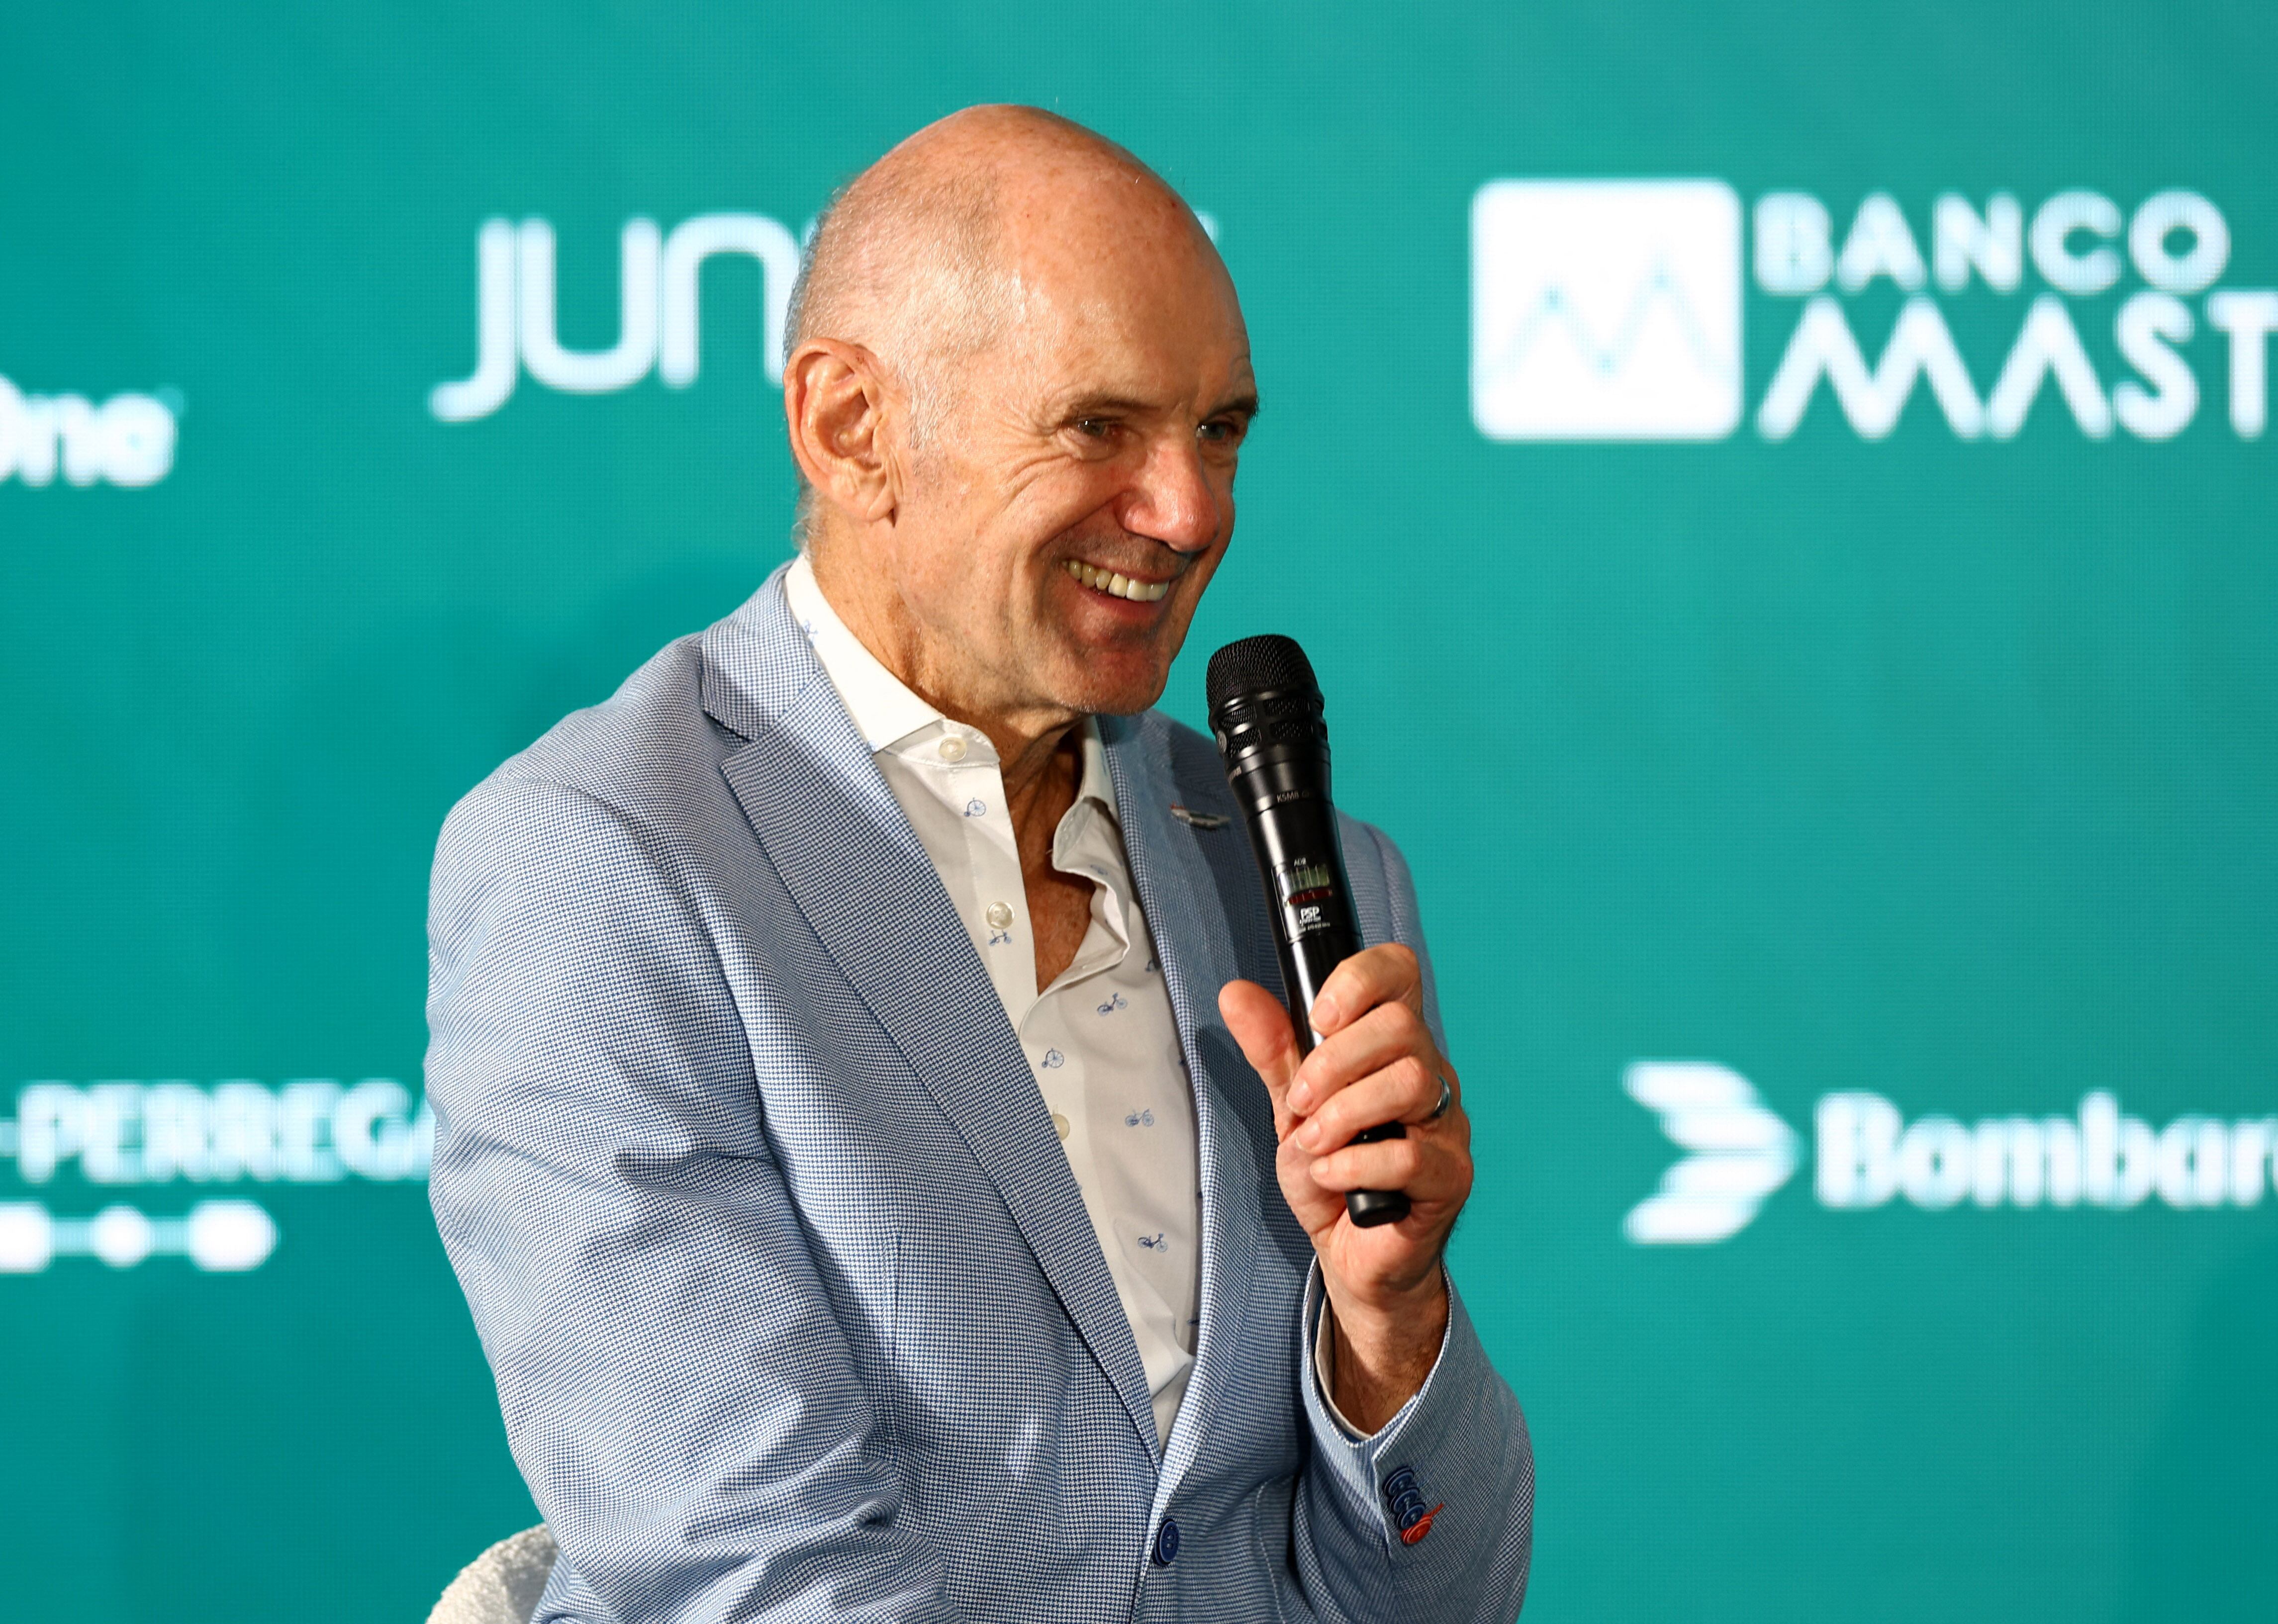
(1261, 1026)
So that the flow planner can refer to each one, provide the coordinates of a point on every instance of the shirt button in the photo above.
(1060, 1125)
(998, 916)
(1166, 1543)
(952, 748)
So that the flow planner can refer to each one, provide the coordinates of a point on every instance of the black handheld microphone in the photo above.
(1266, 713)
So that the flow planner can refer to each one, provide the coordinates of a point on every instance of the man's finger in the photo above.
(1405, 1091)
(1369, 1044)
(1261, 1026)
(1381, 974)
(1412, 1167)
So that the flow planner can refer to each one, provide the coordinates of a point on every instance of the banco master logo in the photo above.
(1739, 1153)
(1612, 310)
(1606, 309)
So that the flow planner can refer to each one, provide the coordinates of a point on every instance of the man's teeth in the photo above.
(1122, 586)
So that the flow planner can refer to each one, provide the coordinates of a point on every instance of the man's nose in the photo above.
(1173, 500)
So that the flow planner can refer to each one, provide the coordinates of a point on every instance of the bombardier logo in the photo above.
(1739, 1153)
(1611, 310)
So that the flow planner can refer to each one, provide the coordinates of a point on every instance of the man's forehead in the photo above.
(1130, 323)
(1093, 282)
(1129, 367)
(1091, 221)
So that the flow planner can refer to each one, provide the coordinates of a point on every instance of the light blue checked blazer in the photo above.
(794, 1304)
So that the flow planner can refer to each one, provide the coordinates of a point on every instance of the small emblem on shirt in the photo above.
(1140, 1119)
(1054, 1058)
(1407, 1502)
(1153, 1243)
(1195, 819)
(976, 809)
(1113, 1004)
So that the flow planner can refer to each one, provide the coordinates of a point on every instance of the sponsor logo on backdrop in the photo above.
(1869, 1155)
(1606, 310)
(127, 440)
(181, 1139)
(1611, 309)
(658, 288)
(658, 285)
(1740, 1152)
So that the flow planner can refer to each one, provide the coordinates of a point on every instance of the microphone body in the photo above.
(1265, 714)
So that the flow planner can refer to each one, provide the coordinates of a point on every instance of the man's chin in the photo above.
(1114, 693)
(1117, 702)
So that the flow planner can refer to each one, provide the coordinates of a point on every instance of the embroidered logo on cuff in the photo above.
(1407, 1502)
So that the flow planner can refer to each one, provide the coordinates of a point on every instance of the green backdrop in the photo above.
(1902, 781)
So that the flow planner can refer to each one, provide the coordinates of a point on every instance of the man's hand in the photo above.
(1375, 1063)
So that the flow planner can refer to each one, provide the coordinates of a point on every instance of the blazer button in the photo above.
(1166, 1543)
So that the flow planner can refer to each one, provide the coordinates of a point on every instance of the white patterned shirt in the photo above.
(1101, 1041)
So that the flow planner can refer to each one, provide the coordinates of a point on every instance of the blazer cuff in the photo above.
(1385, 1478)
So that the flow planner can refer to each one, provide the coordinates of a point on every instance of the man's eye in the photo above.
(1093, 427)
(1220, 432)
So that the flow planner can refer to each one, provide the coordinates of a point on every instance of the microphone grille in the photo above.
(1258, 665)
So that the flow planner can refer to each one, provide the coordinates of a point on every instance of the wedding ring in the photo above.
(1447, 1098)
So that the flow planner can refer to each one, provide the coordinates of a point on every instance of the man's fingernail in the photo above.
(1309, 1136)
(1300, 1098)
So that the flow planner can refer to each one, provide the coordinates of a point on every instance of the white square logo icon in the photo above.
(1606, 309)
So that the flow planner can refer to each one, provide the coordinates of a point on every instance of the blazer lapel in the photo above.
(1180, 882)
(854, 865)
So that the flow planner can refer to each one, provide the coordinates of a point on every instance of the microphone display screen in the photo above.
(1307, 886)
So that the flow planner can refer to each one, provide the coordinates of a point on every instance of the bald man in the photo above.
(884, 1184)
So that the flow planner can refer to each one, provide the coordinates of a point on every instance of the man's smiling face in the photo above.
(1056, 530)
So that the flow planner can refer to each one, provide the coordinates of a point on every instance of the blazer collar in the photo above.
(851, 860)
(1182, 867)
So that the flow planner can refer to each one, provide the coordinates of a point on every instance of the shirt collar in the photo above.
(884, 710)
(1095, 785)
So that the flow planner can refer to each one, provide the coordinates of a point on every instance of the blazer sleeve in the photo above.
(1457, 1453)
(676, 1389)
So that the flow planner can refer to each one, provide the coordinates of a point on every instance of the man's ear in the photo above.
(835, 400)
